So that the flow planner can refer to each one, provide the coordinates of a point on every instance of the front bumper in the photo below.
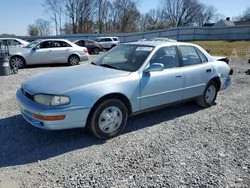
(76, 116)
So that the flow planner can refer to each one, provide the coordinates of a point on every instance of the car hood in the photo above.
(15, 50)
(66, 79)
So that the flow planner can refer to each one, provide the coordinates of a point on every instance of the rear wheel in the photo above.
(96, 50)
(108, 119)
(73, 60)
(17, 62)
(209, 96)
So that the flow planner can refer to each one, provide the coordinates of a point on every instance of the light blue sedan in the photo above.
(129, 79)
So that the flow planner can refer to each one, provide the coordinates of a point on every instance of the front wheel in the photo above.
(17, 62)
(108, 119)
(209, 96)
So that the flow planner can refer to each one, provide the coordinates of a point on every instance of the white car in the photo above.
(48, 51)
(14, 42)
(108, 42)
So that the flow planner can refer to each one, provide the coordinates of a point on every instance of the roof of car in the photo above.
(107, 37)
(157, 43)
(66, 40)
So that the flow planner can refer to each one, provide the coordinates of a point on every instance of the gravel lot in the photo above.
(182, 146)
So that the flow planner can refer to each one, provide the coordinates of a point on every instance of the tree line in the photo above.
(122, 16)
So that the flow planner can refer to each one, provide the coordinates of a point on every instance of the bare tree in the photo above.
(71, 12)
(55, 8)
(181, 13)
(85, 10)
(207, 14)
(125, 15)
(245, 16)
(154, 20)
(103, 7)
(218, 17)
(33, 30)
(43, 27)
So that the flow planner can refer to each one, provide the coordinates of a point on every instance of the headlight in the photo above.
(51, 100)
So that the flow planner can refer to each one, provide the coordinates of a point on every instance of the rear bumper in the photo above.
(227, 83)
(231, 72)
(84, 57)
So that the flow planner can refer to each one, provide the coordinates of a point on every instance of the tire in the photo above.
(74, 60)
(209, 95)
(115, 125)
(15, 70)
(17, 62)
(96, 51)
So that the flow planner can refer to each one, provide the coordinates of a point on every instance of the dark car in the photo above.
(92, 46)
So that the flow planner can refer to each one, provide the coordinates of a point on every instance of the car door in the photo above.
(41, 53)
(60, 51)
(196, 71)
(107, 42)
(162, 87)
(89, 45)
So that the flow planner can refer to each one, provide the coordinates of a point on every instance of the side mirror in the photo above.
(155, 67)
(35, 48)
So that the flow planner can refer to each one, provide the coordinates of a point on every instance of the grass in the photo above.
(223, 48)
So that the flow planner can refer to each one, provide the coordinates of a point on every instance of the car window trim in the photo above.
(179, 47)
(177, 51)
(197, 50)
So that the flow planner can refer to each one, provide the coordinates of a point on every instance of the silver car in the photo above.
(14, 42)
(129, 79)
(48, 51)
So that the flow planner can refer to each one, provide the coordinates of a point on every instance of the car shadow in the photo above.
(22, 143)
(46, 65)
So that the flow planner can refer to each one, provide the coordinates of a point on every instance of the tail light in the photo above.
(86, 50)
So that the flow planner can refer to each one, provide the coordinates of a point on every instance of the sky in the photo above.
(16, 15)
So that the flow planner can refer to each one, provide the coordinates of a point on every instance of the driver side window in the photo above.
(168, 56)
(45, 44)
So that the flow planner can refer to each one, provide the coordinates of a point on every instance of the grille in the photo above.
(28, 95)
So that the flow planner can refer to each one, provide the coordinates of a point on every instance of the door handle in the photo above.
(208, 70)
(49, 50)
(179, 76)
(67, 50)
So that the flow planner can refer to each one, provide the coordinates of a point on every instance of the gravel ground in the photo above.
(182, 146)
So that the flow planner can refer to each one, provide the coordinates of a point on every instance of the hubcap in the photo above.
(74, 60)
(96, 50)
(210, 94)
(16, 62)
(110, 119)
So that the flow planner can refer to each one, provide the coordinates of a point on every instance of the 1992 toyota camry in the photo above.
(129, 79)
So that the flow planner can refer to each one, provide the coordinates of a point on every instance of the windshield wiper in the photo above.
(92, 63)
(109, 66)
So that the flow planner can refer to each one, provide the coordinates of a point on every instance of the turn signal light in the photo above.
(49, 118)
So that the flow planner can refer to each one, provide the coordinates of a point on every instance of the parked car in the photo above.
(48, 51)
(129, 79)
(14, 42)
(108, 42)
(92, 46)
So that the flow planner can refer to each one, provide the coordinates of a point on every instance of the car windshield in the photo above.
(31, 45)
(97, 39)
(126, 57)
